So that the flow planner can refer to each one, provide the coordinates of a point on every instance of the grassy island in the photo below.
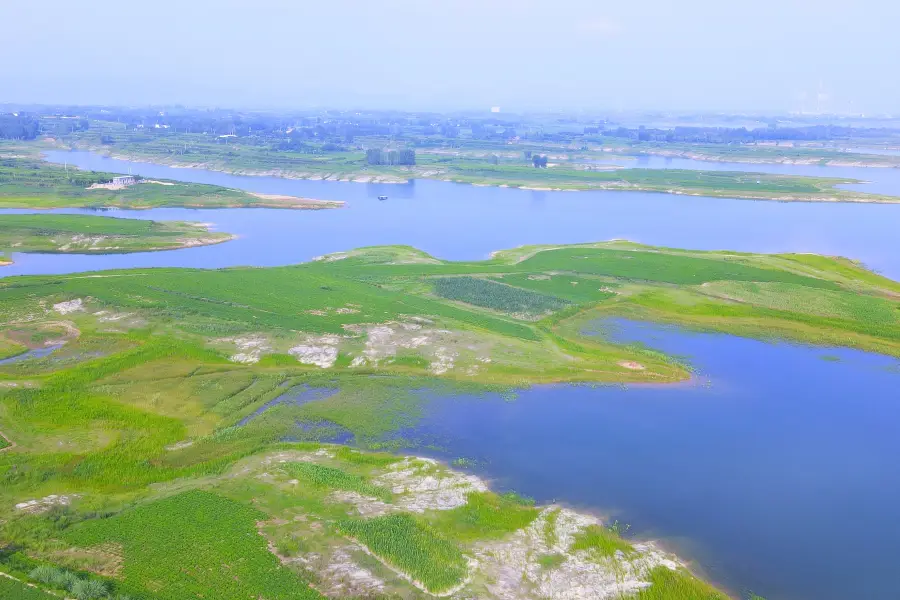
(88, 234)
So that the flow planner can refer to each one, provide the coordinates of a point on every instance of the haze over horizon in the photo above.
(787, 55)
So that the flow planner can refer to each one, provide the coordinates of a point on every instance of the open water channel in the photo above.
(775, 469)
(456, 221)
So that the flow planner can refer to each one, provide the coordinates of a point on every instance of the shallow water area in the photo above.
(30, 354)
(774, 467)
(465, 222)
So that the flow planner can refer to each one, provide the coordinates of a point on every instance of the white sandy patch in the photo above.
(180, 445)
(250, 348)
(69, 306)
(321, 356)
(46, 503)
(420, 486)
(443, 362)
(321, 351)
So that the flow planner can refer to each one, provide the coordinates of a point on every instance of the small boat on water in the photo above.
(382, 197)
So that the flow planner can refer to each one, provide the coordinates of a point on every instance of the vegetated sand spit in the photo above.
(510, 567)
(281, 201)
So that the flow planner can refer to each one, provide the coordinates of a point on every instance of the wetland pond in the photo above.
(465, 222)
(775, 468)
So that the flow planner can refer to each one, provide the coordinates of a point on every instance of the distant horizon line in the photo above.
(514, 110)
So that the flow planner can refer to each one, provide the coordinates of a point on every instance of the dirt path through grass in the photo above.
(9, 443)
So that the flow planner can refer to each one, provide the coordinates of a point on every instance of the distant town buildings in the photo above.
(124, 180)
(495, 109)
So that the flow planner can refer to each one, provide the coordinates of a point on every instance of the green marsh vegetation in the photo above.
(601, 542)
(331, 478)
(411, 546)
(166, 415)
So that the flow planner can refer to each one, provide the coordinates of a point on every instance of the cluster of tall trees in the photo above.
(13, 127)
(374, 156)
(539, 161)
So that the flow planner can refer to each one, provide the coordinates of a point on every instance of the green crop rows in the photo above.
(496, 296)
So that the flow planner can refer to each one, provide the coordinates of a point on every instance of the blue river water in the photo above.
(775, 469)
(464, 222)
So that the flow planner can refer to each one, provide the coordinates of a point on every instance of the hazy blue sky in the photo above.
(705, 54)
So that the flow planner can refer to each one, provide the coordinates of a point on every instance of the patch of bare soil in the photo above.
(341, 577)
(632, 365)
(105, 559)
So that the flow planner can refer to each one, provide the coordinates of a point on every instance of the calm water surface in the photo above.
(456, 221)
(776, 469)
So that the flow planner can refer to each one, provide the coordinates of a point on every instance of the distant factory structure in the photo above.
(124, 180)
